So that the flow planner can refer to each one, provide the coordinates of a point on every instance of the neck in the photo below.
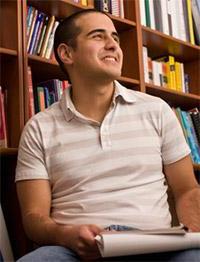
(92, 99)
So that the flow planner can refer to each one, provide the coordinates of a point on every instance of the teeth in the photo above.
(110, 58)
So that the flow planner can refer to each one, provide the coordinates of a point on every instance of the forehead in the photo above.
(91, 21)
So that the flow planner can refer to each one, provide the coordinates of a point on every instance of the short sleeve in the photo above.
(31, 163)
(173, 144)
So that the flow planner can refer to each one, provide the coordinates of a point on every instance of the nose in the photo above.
(110, 43)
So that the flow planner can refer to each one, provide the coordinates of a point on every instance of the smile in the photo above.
(110, 58)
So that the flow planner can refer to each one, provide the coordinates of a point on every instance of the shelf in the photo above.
(61, 8)
(160, 44)
(173, 97)
(64, 8)
(48, 68)
(7, 51)
(8, 151)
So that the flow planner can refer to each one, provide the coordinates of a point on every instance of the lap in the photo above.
(61, 254)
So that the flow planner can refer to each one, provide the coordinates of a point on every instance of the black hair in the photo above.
(67, 32)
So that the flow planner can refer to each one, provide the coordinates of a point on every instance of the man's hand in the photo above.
(82, 241)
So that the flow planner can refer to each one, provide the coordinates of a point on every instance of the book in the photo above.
(145, 64)
(142, 12)
(103, 5)
(196, 19)
(31, 107)
(3, 130)
(191, 29)
(152, 15)
(49, 48)
(35, 13)
(38, 21)
(194, 150)
(41, 98)
(47, 35)
(134, 242)
(186, 23)
(147, 12)
(43, 31)
(195, 115)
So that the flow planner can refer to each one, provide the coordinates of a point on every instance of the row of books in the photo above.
(40, 33)
(44, 93)
(3, 129)
(114, 7)
(166, 72)
(190, 122)
(178, 18)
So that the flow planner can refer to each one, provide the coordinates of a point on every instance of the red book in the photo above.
(3, 133)
(30, 94)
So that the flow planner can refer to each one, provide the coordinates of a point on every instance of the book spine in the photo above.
(32, 28)
(145, 63)
(51, 41)
(3, 131)
(191, 29)
(147, 12)
(142, 12)
(47, 35)
(30, 94)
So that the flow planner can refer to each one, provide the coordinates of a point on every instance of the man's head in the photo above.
(87, 41)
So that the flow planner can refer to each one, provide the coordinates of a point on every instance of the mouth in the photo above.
(110, 59)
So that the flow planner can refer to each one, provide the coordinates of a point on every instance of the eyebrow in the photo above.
(101, 31)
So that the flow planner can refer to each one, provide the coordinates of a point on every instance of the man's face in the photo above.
(97, 53)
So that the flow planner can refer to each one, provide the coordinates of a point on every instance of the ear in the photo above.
(65, 53)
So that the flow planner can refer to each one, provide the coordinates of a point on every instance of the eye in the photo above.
(97, 36)
(116, 38)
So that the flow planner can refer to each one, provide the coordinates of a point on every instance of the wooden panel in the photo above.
(159, 45)
(8, 22)
(129, 47)
(193, 70)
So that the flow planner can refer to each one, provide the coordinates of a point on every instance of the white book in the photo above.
(115, 7)
(155, 70)
(121, 4)
(181, 22)
(164, 15)
(145, 63)
(142, 12)
(152, 15)
(51, 41)
(172, 11)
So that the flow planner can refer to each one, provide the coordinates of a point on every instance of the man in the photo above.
(96, 157)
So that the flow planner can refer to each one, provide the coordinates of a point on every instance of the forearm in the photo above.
(44, 231)
(188, 208)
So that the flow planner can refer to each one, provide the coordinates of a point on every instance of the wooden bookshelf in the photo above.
(15, 60)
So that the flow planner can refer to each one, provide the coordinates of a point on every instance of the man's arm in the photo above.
(186, 190)
(35, 202)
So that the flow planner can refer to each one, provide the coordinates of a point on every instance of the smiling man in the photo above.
(95, 159)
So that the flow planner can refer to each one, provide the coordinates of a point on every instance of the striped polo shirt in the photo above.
(109, 172)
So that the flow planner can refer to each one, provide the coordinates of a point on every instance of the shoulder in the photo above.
(44, 120)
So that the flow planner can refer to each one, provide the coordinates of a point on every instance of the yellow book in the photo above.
(171, 72)
(178, 76)
(190, 22)
(84, 2)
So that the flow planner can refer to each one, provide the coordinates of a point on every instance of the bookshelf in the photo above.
(14, 60)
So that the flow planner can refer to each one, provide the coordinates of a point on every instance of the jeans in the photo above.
(61, 254)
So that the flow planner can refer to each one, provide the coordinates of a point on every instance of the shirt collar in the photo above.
(70, 111)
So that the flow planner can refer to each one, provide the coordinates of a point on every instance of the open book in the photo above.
(133, 242)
